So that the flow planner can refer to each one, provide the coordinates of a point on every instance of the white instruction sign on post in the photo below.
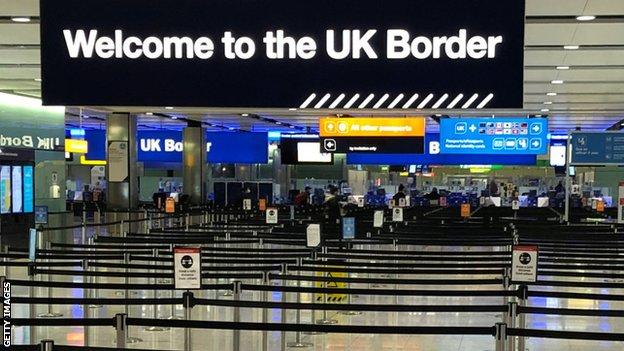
(246, 204)
(524, 264)
(378, 219)
(360, 201)
(187, 266)
(515, 205)
(397, 214)
(271, 216)
(313, 235)
(402, 202)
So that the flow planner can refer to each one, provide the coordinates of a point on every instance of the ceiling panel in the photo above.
(19, 33)
(19, 7)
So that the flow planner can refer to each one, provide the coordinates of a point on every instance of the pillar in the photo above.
(194, 163)
(121, 157)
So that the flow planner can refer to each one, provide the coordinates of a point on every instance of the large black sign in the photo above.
(381, 145)
(283, 53)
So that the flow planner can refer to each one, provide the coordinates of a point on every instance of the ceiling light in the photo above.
(571, 47)
(292, 109)
(149, 113)
(547, 102)
(544, 110)
(551, 94)
(20, 19)
(174, 117)
(563, 67)
(168, 108)
(278, 122)
(37, 79)
(585, 18)
(556, 81)
(245, 114)
(231, 128)
(293, 127)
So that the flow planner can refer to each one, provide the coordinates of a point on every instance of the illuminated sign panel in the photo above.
(510, 136)
(346, 54)
(76, 146)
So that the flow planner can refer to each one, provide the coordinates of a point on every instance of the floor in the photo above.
(222, 339)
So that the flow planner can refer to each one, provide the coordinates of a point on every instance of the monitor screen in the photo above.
(16, 190)
(29, 199)
(311, 152)
(5, 189)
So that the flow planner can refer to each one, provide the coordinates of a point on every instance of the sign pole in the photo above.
(566, 217)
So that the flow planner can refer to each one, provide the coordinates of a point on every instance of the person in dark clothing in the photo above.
(303, 198)
(559, 188)
(332, 205)
(433, 195)
(399, 195)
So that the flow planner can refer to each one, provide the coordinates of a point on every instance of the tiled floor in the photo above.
(221, 340)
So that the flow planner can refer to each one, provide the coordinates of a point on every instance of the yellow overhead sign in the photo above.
(76, 146)
(372, 127)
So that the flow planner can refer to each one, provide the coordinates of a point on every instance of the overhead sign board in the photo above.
(389, 135)
(432, 156)
(524, 264)
(507, 136)
(168, 146)
(606, 148)
(281, 54)
(187, 267)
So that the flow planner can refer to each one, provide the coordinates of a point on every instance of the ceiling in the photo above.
(592, 96)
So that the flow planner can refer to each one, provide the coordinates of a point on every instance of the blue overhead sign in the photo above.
(167, 146)
(433, 157)
(597, 148)
(509, 136)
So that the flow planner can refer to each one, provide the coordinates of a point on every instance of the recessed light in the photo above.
(20, 19)
(547, 102)
(544, 110)
(585, 18)
(37, 79)
(292, 109)
(245, 114)
(563, 67)
(293, 127)
(571, 47)
(168, 108)
(551, 94)
(231, 128)
(556, 81)
(174, 117)
(278, 122)
(149, 113)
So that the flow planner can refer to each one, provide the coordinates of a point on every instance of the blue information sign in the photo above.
(167, 146)
(348, 228)
(41, 214)
(509, 136)
(597, 148)
(28, 189)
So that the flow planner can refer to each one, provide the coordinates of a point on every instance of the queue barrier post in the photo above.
(50, 313)
(129, 339)
(121, 326)
(32, 307)
(85, 307)
(187, 299)
(523, 291)
(46, 345)
(265, 318)
(298, 343)
(155, 294)
(511, 322)
(501, 336)
(83, 230)
(236, 333)
(284, 271)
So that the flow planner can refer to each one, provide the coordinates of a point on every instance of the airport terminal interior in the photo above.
(321, 175)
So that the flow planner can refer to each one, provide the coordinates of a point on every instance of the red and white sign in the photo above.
(524, 263)
(187, 267)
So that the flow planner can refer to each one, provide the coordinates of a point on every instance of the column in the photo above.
(194, 163)
(121, 157)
